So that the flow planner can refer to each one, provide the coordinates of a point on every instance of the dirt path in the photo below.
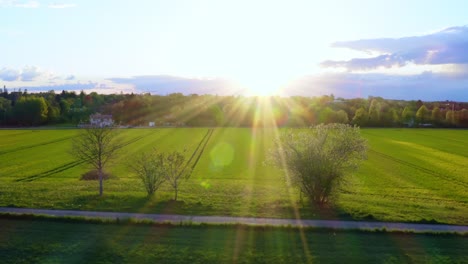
(244, 220)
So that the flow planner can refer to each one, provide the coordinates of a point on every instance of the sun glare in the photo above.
(263, 85)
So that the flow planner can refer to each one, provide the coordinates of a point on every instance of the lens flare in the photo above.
(222, 155)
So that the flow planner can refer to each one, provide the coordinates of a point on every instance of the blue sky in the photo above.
(395, 49)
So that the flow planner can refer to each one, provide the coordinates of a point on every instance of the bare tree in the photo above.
(96, 146)
(317, 159)
(175, 170)
(149, 168)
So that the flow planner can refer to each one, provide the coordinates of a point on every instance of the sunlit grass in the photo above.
(410, 175)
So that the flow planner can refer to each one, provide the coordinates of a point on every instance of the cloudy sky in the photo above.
(395, 49)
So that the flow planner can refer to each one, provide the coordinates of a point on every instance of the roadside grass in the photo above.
(53, 241)
(411, 175)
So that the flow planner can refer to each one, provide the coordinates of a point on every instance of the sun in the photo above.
(262, 85)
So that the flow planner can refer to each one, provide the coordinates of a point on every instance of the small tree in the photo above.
(408, 116)
(175, 170)
(361, 117)
(436, 115)
(374, 113)
(149, 168)
(96, 146)
(422, 114)
(317, 159)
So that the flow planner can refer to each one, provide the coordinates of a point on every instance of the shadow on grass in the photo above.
(312, 211)
(136, 204)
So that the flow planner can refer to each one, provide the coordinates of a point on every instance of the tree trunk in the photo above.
(100, 182)
(175, 193)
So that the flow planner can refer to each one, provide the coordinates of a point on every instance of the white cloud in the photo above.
(27, 74)
(9, 75)
(70, 77)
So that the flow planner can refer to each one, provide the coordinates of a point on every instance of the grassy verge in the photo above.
(32, 241)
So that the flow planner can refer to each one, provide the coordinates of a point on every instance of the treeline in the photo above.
(20, 108)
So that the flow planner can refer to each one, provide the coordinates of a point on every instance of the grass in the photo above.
(48, 241)
(411, 175)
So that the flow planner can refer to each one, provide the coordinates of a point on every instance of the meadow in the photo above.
(411, 175)
(51, 241)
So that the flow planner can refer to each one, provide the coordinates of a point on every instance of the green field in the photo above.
(47, 241)
(410, 175)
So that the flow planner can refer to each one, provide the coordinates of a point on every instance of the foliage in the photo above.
(408, 115)
(5, 108)
(450, 117)
(96, 146)
(374, 113)
(360, 117)
(30, 111)
(317, 159)
(149, 168)
(422, 115)
(213, 110)
(436, 115)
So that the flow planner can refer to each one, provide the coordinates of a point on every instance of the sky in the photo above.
(395, 49)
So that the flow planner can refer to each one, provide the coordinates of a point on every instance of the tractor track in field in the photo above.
(35, 145)
(199, 149)
(230, 220)
(209, 134)
(19, 133)
(420, 168)
(50, 172)
(72, 164)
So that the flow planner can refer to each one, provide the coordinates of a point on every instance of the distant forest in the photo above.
(20, 108)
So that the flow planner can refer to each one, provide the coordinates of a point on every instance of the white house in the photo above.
(98, 120)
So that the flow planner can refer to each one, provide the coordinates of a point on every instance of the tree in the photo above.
(374, 113)
(53, 114)
(360, 117)
(436, 115)
(317, 159)
(463, 117)
(175, 169)
(395, 117)
(30, 110)
(450, 117)
(96, 146)
(422, 115)
(341, 117)
(64, 109)
(5, 108)
(408, 116)
(326, 115)
(149, 168)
